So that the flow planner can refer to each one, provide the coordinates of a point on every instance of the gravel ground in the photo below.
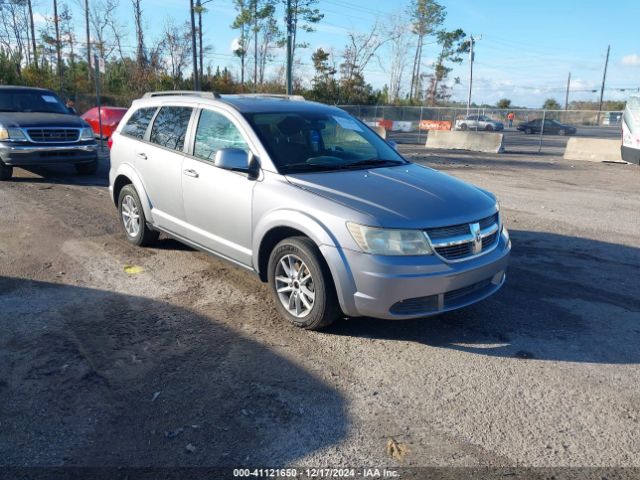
(187, 363)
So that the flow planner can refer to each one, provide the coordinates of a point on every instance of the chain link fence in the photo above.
(411, 124)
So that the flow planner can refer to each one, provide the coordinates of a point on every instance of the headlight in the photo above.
(12, 134)
(86, 134)
(386, 241)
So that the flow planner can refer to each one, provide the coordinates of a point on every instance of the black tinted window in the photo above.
(170, 127)
(30, 101)
(138, 122)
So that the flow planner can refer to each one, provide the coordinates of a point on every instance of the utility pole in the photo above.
(255, 46)
(472, 41)
(58, 46)
(566, 97)
(604, 78)
(33, 34)
(86, 24)
(289, 66)
(194, 49)
(199, 7)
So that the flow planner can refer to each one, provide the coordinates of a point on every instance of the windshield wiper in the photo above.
(308, 167)
(373, 162)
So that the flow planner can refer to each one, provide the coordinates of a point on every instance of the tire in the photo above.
(488, 128)
(6, 171)
(562, 132)
(463, 126)
(303, 256)
(87, 168)
(528, 131)
(129, 203)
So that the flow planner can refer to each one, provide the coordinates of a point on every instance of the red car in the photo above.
(111, 116)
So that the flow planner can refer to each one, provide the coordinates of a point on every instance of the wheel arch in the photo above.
(125, 176)
(282, 224)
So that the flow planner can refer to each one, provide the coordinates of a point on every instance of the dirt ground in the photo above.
(187, 363)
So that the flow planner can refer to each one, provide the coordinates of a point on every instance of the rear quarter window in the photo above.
(137, 124)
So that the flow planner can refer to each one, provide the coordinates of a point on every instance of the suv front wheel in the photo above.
(132, 218)
(302, 284)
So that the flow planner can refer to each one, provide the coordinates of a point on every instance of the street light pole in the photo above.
(604, 78)
(566, 97)
(470, 73)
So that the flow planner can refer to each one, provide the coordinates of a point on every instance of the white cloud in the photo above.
(39, 19)
(632, 60)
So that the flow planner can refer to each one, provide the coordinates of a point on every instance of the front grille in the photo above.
(414, 306)
(53, 135)
(489, 240)
(456, 242)
(462, 295)
(455, 252)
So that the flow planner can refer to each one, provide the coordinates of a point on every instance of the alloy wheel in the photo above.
(294, 285)
(130, 216)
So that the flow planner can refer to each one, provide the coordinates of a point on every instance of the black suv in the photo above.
(37, 129)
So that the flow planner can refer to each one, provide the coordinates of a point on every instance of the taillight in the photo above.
(110, 142)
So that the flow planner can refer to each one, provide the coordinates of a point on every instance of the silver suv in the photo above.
(479, 122)
(311, 200)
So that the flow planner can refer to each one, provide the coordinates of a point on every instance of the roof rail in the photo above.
(273, 95)
(184, 93)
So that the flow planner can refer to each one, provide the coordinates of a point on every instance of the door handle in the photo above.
(190, 173)
(141, 155)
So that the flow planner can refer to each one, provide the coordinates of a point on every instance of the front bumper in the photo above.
(31, 155)
(415, 287)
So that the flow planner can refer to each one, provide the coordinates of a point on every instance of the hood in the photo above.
(407, 196)
(40, 119)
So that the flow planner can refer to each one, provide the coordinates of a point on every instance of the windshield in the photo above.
(30, 101)
(314, 142)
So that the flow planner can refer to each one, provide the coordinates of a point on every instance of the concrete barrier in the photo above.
(459, 140)
(593, 150)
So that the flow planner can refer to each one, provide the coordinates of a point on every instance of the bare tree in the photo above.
(397, 30)
(268, 41)
(361, 49)
(67, 35)
(178, 49)
(102, 21)
(13, 23)
(426, 17)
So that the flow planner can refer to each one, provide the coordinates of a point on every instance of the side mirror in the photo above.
(393, 144)
(232, 159)
(238, 160)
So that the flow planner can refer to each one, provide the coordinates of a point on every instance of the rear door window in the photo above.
(170, 127)
(138, 122)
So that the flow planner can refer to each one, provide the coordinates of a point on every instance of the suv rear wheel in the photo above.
(132, 218)
(6, 171)
(302, 285)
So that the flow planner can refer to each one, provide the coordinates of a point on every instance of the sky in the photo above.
(524, 51)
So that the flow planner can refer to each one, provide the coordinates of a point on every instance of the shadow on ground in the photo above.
(65, 174)
(94, 378)
(566, 299)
